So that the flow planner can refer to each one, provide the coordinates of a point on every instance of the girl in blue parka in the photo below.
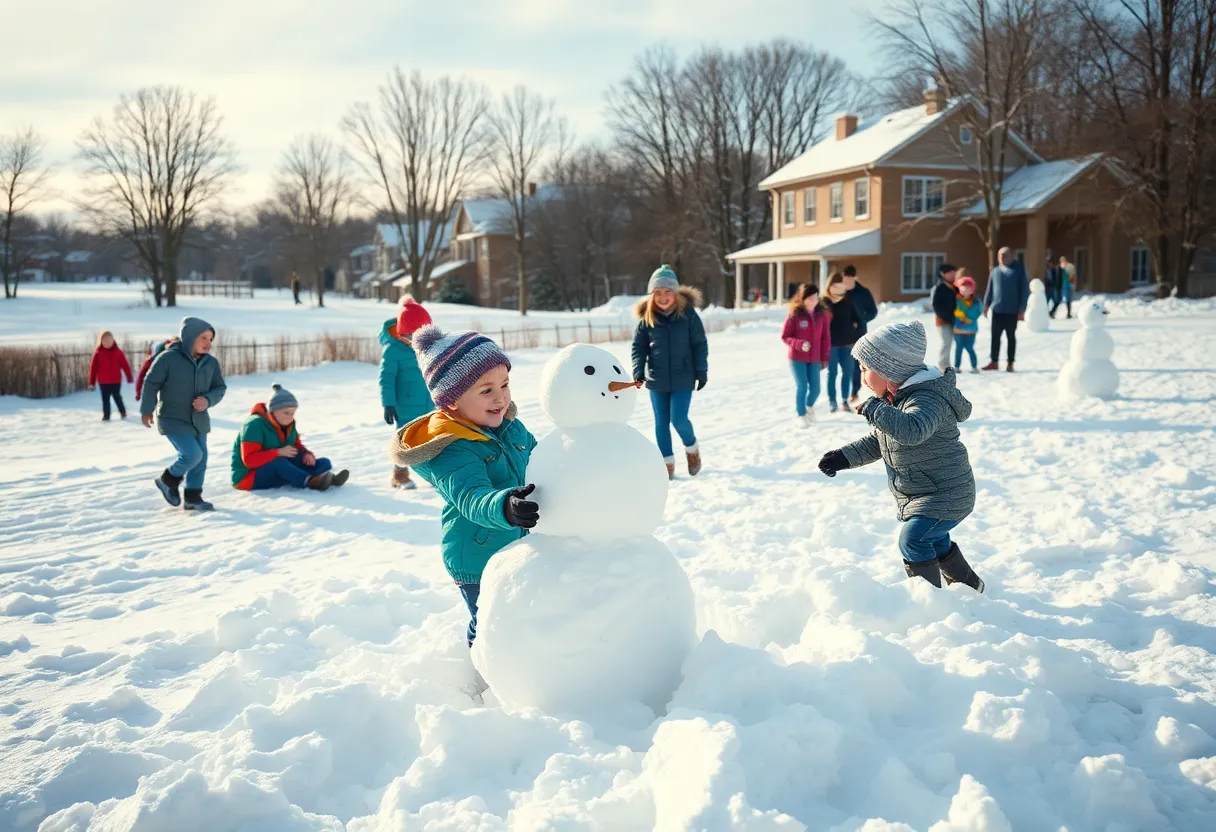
(403, 392)
(474, 450)
(671, 355)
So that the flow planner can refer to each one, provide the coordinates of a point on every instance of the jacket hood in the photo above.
(685, 296)
(934, 382)
(388, 333)
(191, 329)
(159, 347)
(425, 438)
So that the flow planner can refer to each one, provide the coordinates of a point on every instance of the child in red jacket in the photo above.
(106, 370)
(149, 356)
(809, 341)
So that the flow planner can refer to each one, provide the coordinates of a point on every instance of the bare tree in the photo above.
(523, 130)
(422, 148)
(23, 179)
(153, 170)
(313, 192)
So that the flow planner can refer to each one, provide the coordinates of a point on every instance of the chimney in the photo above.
(846, 125)
(935, 98)
(531, 189)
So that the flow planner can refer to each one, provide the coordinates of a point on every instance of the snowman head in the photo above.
(1093, 316)
(1036, 287)
(585, 385)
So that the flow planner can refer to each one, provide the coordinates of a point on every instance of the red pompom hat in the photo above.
(411, 317)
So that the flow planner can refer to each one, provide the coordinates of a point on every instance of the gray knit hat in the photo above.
(281, 398)
(664, 277)
(895, 351)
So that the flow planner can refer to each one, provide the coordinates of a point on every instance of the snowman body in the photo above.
(1038, 318)
(1089, 370)
(590, 611)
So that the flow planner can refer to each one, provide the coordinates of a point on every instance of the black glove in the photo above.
(521, 512)
(390, 415)
(832, 462)
(639, 379)
(702, 380)
(868, 407)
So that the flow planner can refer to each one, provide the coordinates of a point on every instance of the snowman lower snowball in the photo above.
(590, 611)
(1089, 370)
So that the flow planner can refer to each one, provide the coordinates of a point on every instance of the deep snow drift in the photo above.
(293, 661)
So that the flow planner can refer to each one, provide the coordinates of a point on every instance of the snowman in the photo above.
(590, 612)
(1089, 371)
(1038, 319)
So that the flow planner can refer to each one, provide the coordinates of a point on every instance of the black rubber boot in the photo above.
(926, 569)
(957, 571)
(167, 483)
(195, 501)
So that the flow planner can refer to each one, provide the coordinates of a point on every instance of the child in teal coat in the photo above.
(474, 450)
(403, 392)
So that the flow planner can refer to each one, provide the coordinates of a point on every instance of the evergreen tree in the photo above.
(545, 295)
(454, 290)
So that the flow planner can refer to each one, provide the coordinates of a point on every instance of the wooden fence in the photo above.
(216, 288)
(51, 371)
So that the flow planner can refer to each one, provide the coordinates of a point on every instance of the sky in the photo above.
(282, 68)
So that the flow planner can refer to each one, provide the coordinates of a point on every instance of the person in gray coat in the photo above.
(182, 384)
(915, 414)
(1006, 297)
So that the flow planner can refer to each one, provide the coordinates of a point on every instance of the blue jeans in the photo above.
(191, 461)
(842, 360)
(671, 410)
(965, 343)
(806, 382)
(284, 471)
(925, 538)
(470, 593)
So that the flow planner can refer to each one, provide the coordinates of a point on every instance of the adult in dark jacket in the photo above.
(403, 392)
(943, 300)
(1006, 297)
(846, 322)
(863, 300)
(671, 356)
(295, 288)
(182, 384)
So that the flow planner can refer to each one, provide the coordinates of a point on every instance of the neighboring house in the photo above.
(389, 259)
(890, 196)
(77, 265)
(360, 262)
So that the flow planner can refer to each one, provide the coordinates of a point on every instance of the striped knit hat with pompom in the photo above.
(451, 362)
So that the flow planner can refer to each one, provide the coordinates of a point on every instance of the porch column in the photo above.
(823, 275)
(1036, 244)
(772, 283)
(738, 284)
(779, 284)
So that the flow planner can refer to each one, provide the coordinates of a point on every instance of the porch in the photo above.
(803, 258)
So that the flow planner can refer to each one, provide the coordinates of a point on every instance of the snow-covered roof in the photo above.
(874, 141)
(444, 269)
(365, 249)
(493, 215)
(388, 233)
(840, 244)
(403, 282)
(1033, 186)
(78, 257)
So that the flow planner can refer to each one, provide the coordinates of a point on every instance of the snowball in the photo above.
(566, 625)
(603, 482)
(973, 810)
(1038, 318)
(574, 388)
(1110, 793)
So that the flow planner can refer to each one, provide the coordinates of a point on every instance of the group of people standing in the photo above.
(958, 312)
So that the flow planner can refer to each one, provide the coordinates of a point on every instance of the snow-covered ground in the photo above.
(293, 661)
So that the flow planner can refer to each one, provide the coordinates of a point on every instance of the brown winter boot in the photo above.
(671, 470)
(1009, 367)
(694, 460)
(401, 478)
(321, 482)
(991, 365)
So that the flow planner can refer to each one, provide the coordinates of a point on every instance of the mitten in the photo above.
(832, 462)
(521, 512)
(702, 380)
(390, 415)
(868, 407)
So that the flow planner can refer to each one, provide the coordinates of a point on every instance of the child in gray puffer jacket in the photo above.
(915, 413)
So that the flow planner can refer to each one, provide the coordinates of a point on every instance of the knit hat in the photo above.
(663, 278)
(411, 317)
(451, 362)
(281, 398)
(965, 280)
(896, 351)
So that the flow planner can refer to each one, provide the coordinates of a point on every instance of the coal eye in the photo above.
(618, 370)
(589, 370)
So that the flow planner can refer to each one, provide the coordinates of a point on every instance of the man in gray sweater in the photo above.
(1006, 297)
(915, 415)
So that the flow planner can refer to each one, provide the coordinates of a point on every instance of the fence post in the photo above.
(557, 328)
(254, 349)
(590, 336)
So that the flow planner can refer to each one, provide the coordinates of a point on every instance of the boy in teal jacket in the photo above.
(403, 392)
(473, 450)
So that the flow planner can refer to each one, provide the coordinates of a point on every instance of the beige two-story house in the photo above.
(895, 197)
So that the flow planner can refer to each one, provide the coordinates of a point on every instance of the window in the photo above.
(965, 136)
(809, 197)
(787, 208)
(1020, 256)
(861, 198)
(836, 197)
(919, 272)
(1141, 268)
(923, 195)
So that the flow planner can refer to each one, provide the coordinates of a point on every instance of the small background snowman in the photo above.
(1089, 371)
(1038, 318)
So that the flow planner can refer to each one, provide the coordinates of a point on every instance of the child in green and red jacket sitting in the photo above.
(268, 452)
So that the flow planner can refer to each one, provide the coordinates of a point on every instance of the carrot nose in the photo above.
(618, 386)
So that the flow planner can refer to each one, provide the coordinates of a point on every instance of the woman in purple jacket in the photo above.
(806, 335)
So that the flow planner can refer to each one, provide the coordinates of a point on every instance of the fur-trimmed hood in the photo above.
(687, 295)
(425, 438)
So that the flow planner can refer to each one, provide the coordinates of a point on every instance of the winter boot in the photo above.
(195, 501)
(694, 460)
(926, 569)
(671, 470)
(167, 483)
(401, 478)
(321, 482)
(956, 569)
(340, 478)
(991, 365)
(1009, 367)
(806, 420)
